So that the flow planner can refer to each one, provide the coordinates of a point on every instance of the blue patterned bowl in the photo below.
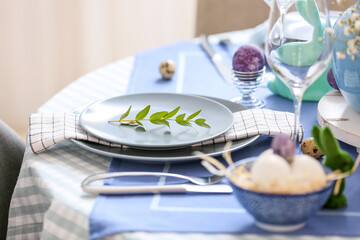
(280, 212)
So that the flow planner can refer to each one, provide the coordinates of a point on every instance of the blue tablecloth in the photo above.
(207, 213)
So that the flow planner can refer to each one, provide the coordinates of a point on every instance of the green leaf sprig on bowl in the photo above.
(162, 118)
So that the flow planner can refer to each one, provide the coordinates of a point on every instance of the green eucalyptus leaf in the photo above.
(130, 123)
(140, 129)
(172, 113)
(180, 117)
(138, 122)
(193, 115)
(160, 118)
(142, 114)
(158, 115)
(160, 122)
(201, 122)
(125, 114)
(184, 123)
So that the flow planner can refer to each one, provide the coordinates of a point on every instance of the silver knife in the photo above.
(176, 188)
(221, 67)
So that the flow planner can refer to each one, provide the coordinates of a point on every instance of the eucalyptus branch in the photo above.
(162, 118)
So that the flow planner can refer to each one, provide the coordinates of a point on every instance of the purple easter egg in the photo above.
(283, 146)
(331, 79)
(248, 58)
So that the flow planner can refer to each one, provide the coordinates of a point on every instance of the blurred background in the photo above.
(47, 44)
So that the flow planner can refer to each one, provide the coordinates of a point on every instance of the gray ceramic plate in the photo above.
(174, 155)
(94, 120)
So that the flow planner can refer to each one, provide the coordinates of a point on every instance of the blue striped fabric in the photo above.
(201, 213)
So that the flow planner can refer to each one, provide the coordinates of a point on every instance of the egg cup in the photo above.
(247, 83)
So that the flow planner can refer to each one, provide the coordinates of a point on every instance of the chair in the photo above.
(12, 149)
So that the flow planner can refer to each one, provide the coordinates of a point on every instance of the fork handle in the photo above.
(101, 176)
(176, 188)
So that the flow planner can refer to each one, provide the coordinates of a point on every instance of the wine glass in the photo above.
(298, 45)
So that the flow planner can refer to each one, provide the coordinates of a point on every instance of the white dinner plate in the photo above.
(174, 155)
(94, 120)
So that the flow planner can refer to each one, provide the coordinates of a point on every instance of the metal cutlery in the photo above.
(221, 67)
(227, 44)
(177, 188)
(203, 184)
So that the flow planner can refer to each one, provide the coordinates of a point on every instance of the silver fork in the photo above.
(196, 180)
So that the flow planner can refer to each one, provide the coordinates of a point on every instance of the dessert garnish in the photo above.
(162, 118)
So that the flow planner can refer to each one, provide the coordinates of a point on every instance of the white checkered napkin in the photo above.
(254, 122)
(50, 128)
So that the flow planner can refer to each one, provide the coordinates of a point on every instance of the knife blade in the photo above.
(176, 188)
(221, 67)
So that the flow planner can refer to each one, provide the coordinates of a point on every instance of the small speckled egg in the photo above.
(309, 147)
(167, 69)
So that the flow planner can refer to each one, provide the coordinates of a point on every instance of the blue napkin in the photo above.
(205, 213)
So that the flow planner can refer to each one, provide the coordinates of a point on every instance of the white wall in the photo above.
(46, 44)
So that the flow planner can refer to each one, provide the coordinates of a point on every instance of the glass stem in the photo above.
(282, 32)
(297, 99)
